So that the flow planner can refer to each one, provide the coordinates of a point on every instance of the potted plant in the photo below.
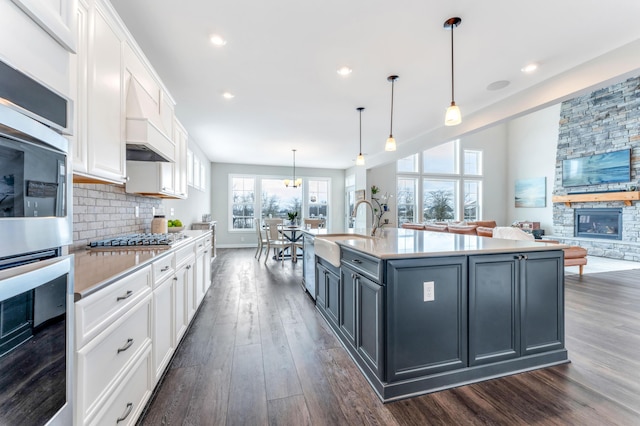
(292, 217)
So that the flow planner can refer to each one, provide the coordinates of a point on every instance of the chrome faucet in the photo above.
(374, 218)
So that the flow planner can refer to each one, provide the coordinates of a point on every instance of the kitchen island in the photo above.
(420, 311)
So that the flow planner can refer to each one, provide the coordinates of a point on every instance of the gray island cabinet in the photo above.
(422, 319)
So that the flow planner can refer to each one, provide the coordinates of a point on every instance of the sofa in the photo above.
(573, 255)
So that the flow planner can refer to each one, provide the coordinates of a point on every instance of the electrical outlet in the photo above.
(172, 211)
(136, 211)
(153, 211)
(429, 291)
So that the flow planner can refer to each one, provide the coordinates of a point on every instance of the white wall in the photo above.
(532, 147)
(198, 201)
(220, 197)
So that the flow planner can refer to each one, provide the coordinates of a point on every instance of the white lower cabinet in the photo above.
(128, 331)
(127, 402)
(163, 341)
(107, 360)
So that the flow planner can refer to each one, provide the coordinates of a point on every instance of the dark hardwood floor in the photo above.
(258, 353)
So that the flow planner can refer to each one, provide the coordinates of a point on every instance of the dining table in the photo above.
(293, 234)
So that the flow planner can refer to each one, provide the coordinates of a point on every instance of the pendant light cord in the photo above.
(452, 98)
(360, 110)
(391, 128)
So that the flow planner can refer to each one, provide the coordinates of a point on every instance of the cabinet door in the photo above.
(181, 280)
(426, 316)
(542, 302)
(370, 314)
(190, 284)
(105, 147)
(494, 316)
(321, 287)
(348, 280)
(162, 326)
(333, 288)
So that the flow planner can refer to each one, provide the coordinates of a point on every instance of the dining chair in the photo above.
(275, 239)
(262, 239)
(313, 223)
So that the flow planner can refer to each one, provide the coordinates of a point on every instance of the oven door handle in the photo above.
(14, 281)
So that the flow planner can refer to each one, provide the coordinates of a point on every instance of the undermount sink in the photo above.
(326, 247)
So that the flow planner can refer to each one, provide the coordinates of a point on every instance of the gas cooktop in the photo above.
(138, 241)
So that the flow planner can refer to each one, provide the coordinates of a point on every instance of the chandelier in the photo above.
(294, 183)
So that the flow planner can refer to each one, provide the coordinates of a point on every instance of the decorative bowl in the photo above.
(175, 228)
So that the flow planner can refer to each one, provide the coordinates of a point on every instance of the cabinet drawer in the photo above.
(367, 265)
(201, 245)
(127, 402)
(162, 268)
(102, 362)
(95, 312)
(184, 254)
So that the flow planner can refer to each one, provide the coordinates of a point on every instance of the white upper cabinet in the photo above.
(123, 111)
(99, 149)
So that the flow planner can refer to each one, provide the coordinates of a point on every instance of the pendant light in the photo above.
(295, 182)
(360, 158)
(391, 142)
(453, 116)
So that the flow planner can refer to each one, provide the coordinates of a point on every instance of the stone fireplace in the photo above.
(602, 218)
(598, 223)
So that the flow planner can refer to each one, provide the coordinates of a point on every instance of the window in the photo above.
(408, 164)
(275, 200)
(318, 199)
(407, 189)
(242, 202)
(350, 200)
(448, 189)
(439, 200)
(441, 159)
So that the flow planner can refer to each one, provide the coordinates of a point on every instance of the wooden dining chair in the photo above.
(313, 223)
(275, 239)
(262, 239)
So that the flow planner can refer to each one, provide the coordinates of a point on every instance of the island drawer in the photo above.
(162, 268)
(368, 266)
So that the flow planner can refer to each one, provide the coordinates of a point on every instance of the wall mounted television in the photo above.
(597, 169)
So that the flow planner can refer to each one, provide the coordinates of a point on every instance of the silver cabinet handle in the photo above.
(127, 411)
(175, 278)
(126, 345)
(165, 269)
(126, 296)
(357, 261)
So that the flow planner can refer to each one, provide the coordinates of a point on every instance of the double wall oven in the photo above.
(36, 277)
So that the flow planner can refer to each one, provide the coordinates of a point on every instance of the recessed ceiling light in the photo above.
(497, 85)
(529, 68)
(344, 71)
(218, 40)
(228, 95)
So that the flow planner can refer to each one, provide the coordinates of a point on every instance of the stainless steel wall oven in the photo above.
(36, 278)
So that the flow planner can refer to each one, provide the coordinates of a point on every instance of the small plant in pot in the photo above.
(292, 217)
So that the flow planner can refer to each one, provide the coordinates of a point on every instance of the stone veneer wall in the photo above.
(101, 211)
(605, 120)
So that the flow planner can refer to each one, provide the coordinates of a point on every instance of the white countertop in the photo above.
(397, 243)
(96, 269)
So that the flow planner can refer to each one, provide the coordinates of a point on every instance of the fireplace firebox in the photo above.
(598, 223)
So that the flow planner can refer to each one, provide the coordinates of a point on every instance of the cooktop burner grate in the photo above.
(138, 241)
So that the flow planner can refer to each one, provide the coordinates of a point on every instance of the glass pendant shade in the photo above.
(453, 116)
(360, 160)
(287, 182)
(391, 144)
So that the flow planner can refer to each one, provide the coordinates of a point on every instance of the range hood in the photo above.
(146, 137)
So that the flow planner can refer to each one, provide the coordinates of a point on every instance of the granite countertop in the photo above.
(398, 243)
(96, 269)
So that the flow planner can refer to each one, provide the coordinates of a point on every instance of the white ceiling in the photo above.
(282, 55)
